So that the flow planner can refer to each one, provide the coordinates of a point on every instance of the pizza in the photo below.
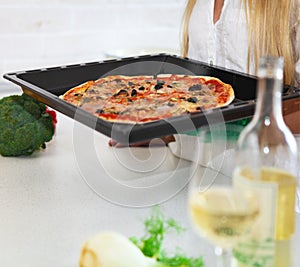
(142, 99)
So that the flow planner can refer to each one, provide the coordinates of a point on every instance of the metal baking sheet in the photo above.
(47, 84)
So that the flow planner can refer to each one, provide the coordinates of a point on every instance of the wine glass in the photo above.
(220, 213)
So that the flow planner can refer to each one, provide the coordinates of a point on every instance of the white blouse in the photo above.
(224, 43)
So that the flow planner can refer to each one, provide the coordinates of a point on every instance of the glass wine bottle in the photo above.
(267, 159)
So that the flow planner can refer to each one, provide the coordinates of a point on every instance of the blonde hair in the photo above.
(186, 20)
(271, 30)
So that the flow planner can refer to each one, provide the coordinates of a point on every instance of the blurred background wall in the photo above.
(44, 33)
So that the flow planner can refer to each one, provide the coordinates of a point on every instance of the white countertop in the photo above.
(54, 200)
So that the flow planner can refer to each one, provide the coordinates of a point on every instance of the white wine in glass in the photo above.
(222, 215)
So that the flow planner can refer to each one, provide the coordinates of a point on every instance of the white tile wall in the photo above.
(35, 33)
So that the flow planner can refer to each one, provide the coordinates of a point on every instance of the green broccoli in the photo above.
(25, 125)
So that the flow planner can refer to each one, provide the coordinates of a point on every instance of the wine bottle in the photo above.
(266, 162)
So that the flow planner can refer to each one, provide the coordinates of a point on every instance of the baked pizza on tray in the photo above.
(142, 99)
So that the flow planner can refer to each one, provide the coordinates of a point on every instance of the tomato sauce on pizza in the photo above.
(141, 99)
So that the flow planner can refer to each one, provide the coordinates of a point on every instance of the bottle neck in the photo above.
(269, 104)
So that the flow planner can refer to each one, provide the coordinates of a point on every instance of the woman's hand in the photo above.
(162, 141)
(291, 114)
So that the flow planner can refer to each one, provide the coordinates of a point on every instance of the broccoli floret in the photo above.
(25, 125)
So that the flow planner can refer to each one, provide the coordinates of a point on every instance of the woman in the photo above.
(235, 34)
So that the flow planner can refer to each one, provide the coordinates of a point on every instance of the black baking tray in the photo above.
(47, 84)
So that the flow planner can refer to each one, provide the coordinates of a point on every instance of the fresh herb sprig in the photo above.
(151, 244)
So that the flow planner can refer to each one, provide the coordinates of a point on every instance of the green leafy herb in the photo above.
(151, 244)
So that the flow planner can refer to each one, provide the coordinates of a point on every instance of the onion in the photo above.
(110, 249)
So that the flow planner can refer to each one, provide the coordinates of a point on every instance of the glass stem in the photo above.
(223, 257)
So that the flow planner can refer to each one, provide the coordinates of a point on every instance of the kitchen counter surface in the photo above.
(54, 200)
